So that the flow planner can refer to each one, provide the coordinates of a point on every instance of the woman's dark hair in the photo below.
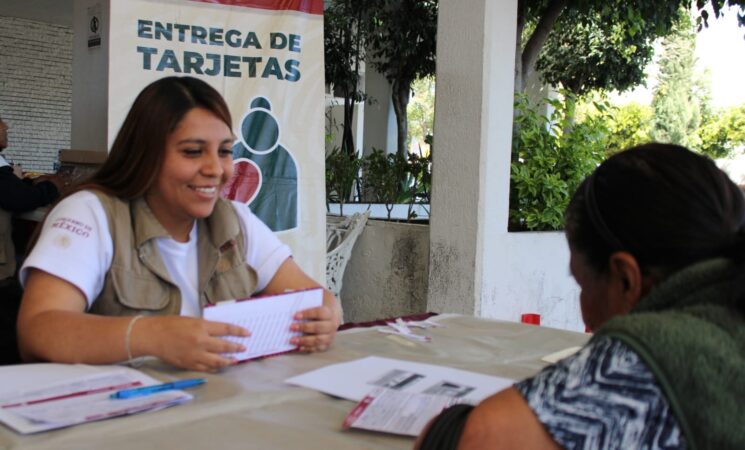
(136, 156)
(662, 203)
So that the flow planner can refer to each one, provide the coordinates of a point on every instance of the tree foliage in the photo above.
(588, 52)
(421, 110)
(722, 133)
(402, 42)
(345, 40)
(628, 125)
(676, 102)
(608, 47)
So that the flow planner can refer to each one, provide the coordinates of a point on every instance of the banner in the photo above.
(266, 58)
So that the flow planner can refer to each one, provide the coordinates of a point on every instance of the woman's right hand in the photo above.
(186, 342)
(56, 328)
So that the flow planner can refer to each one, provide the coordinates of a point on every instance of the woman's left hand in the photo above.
(318, 326)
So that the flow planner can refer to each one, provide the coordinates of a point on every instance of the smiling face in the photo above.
(197, 162)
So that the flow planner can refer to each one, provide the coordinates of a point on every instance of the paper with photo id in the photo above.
(353, 380)
(267, 318)
(392, 411)
(41, 397)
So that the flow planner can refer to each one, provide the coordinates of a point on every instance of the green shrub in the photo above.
(342, 170)
(629, 125)
(383, 178)
(550, 157)
(722, 133)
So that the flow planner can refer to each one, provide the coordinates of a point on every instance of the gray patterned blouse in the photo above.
(603, 397)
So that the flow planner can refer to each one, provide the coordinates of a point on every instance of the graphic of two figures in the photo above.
(265, 173)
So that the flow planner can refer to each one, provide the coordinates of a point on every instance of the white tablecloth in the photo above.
(250, 407)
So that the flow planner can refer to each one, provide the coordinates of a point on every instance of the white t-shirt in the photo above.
(3, 161)
(75, 245)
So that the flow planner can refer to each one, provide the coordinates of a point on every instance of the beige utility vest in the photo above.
(138, 282)
(7, 251)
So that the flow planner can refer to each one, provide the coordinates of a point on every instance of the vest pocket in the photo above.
(233, 284)
(140, 291)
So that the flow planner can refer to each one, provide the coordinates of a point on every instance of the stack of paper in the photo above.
(74, 398)
(399, 396)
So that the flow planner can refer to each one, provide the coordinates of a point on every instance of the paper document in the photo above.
(393, 411)
(267, 318)
(73, 400)
(355, 379)
(555, 357)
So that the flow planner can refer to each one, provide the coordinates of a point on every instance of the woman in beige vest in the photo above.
(123, 266)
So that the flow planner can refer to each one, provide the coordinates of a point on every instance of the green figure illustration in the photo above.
(274, 199)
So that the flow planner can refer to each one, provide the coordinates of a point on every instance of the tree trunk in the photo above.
(533, 46)
(400, 96)
(347, 139)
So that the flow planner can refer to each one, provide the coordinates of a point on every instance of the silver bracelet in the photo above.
(128, 335)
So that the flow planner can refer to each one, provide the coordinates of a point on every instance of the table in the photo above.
(249, 407)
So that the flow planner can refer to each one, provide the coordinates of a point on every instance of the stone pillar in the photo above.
(473, 127)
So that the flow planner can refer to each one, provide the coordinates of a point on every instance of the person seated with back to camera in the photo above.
(123, 267)
(657, 245)
(17, 195)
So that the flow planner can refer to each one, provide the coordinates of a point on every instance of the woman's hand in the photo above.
(187, 342)
(318, 326)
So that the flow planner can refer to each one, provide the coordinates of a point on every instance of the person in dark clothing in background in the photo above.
(16, 196)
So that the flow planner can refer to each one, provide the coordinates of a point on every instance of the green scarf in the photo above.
(690, 332)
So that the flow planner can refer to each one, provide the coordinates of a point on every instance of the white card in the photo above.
(267, 318)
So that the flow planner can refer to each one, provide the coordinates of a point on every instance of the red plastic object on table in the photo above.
(531, 318)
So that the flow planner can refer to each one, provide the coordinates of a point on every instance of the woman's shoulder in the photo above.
(84, 198)
(603, 364)
(604, 394)
(81, 206)
(248, 220)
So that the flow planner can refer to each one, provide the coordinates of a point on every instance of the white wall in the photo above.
(35, 90)
(532, 276)
(386, 276)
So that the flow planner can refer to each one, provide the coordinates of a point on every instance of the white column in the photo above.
(380, 120)
(473, 127)
(90, 78)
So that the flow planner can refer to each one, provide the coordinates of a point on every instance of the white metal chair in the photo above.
(341, 234)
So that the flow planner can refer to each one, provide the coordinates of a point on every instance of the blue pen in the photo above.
(147, 390)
